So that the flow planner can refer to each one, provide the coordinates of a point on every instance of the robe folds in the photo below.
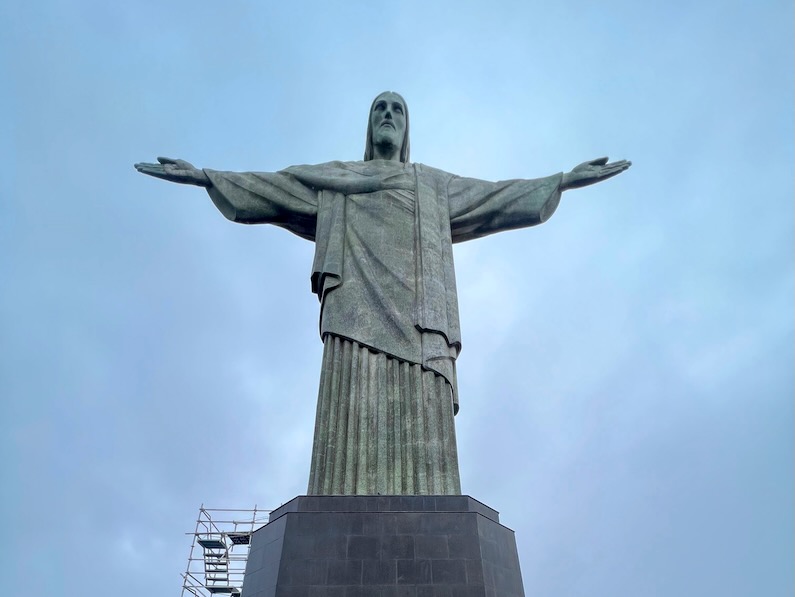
(383, 266)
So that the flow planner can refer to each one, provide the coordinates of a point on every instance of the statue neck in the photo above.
(386, 151)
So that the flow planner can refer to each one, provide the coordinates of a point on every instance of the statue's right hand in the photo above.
(175, 171)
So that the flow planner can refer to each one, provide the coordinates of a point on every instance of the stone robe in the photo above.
(383, 271)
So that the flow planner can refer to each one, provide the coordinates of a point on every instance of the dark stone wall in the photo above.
(383, 546)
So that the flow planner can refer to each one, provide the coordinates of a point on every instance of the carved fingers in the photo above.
(174, 170)
(613, 168)
(151, 169)
(593, 171)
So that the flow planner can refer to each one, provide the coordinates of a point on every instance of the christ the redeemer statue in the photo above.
(383, 270)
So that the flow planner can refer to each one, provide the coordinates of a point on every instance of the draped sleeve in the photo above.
(277, 198)
(479, 208)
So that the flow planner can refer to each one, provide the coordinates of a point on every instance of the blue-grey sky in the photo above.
(627, 374)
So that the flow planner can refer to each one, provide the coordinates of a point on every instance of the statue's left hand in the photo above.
(592, 172)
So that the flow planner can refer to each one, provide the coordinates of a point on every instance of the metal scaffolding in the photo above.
(224, 537)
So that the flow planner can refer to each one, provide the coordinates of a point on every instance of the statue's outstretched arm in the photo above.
(175, 171)
(591, 172)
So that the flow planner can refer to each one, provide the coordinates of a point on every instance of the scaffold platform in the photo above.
(219, 551)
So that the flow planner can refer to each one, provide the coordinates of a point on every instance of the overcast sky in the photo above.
(626, 380)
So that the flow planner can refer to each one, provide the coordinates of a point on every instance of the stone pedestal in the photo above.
(383, 546)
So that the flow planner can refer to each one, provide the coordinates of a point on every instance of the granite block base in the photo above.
(383, 546)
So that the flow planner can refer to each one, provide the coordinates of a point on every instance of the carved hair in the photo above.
(368, 146)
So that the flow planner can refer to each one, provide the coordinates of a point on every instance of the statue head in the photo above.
(388, 123)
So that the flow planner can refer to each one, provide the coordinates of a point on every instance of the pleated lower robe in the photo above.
(383, 426)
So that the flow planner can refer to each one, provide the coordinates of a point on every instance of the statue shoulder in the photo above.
(433, 172)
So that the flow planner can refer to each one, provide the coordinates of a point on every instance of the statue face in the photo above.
(388, 120)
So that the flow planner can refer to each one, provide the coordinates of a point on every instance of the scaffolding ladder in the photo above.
(224, 537)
